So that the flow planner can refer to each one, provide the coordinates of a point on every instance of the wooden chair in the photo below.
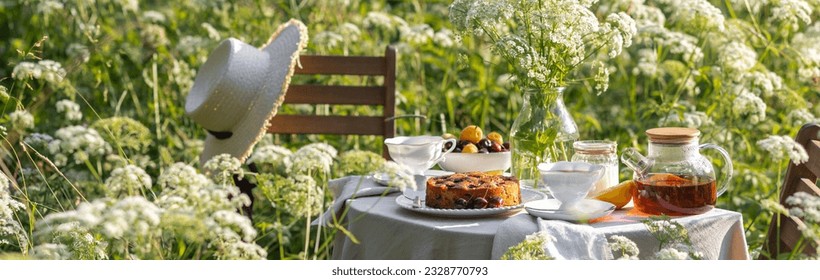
(313, 94)
(784, 235)
(383, 95)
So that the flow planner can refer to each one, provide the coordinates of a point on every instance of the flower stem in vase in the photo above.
(543, 132)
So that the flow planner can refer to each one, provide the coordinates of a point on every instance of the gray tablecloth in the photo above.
(386, 231)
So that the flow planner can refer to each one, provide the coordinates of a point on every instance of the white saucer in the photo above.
(587, 209)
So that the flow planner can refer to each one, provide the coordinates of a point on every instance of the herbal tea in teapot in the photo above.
(674, 178)
(674, 195)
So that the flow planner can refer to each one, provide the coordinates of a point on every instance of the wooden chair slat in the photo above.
(784, 236)
(340, 125)
(342, 65)
(813, 150)
(348, 95)
(789, 231)
(804, 185)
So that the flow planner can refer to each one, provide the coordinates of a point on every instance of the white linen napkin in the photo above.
(574, 241)
(348, 188)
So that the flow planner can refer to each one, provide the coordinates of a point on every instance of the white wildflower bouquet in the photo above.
(545, 41)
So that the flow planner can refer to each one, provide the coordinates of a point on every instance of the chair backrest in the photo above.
(383, 95)
(784, 234)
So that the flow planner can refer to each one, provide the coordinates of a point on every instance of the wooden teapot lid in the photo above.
(672, 135)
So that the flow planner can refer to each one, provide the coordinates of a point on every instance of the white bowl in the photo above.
(570, 182)
(461, 162)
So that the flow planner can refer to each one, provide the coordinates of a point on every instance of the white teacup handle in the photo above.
(440, 157)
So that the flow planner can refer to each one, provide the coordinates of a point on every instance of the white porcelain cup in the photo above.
(418, 153)
(569, 182)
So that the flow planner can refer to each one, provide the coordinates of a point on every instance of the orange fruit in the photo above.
(495, 172)
(666, 177)
(495, 137)
(619, 195)
(469, 149)
(472, 133)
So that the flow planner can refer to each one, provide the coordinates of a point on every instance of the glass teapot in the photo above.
(674, 178)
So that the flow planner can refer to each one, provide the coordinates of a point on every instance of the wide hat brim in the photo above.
(283, 48)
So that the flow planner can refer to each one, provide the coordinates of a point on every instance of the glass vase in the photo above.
(543, 132)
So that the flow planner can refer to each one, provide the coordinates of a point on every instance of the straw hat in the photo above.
(240, 87)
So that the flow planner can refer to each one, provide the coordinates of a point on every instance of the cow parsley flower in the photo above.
(623, 28)
(213, 34)
(231, 226)
(48, 7)
(695, 15)
(80, 243)
(70, 109)
(328, 39)
(799, 117)
(126, 133)
(189, 45)
(400, 176)
(51, 251)
(153, 17)
(26, 70)
(298, 195)
(240, 251)
(645, 15)
(379, 20)
(221, 168)
(312, 159)
(11, 232)
(271, 159)
(761, 83)
(790, 13)
(677, 43)
(557, 37)
(417, 34)
(47, 70)
(21, 120)
(780, 147)
(807, 45)
(52, 71)
(444, 38)
(77, 142)
(350, 32)
(601, 77)
(623, 248)
(128, 5)
(673, 238)
(357, 162)
(671, 254)
(154, 35)
(737, 57)
(39, 141)
(4, 93)
(130, 180)
(131, 218)
(79, 52)
(747, 103)
(182, 74)
(181, 176)
(687, 119)
(647, 63)
(805, 206)
(532, 248)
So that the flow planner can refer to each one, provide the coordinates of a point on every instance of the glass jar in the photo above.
(601, 152)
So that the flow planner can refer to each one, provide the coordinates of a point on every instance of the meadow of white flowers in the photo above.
(100, 162)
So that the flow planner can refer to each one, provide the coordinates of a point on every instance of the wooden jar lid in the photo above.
(672, 135)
